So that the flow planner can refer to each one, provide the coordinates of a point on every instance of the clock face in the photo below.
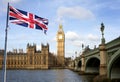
(60, 37)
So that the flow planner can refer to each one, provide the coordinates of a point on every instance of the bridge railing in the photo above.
(92, 52)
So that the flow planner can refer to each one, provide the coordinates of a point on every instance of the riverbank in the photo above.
(104, 79)
(96, 76)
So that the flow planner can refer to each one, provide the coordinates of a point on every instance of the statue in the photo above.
(102, 31)
(102, 28)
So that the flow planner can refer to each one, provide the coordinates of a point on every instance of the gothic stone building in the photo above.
(32, 59)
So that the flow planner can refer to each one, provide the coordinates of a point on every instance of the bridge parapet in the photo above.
(111, 47)
(114, 43)
(92, 52)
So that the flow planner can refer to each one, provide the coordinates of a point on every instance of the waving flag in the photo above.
(27, 19)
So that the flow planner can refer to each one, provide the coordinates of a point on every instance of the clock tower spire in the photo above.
(60, 46)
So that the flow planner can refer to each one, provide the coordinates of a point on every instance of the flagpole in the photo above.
(5, 51)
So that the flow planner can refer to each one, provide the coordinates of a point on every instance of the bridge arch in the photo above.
(92, 65)
(79, 64)
(114, 66)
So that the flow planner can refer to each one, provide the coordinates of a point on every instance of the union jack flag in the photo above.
(27, 19)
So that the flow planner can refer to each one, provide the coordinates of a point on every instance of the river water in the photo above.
(61, 75)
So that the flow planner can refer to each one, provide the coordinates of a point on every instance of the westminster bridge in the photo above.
(104, 60)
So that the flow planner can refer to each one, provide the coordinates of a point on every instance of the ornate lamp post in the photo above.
(103, 57)
(102, 31)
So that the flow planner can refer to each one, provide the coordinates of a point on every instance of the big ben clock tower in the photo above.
(60, 46)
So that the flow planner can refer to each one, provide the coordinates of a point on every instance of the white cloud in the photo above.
(11, 1)
(72, 36)
(76, 12)
(74, 39)
(54, 39)
(77, 43)
(92, 37)
(3, 4)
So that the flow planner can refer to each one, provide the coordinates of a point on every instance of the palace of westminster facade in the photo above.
(34, 59)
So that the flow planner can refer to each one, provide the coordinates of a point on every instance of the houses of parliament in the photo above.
(36, 59)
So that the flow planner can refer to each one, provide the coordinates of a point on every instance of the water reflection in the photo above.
(63, 75)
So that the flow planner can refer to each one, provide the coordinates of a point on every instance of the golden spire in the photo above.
(60, 26)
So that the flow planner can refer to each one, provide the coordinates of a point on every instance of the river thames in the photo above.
(56, 75)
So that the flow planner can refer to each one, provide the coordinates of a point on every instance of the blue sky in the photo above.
(81, 20)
